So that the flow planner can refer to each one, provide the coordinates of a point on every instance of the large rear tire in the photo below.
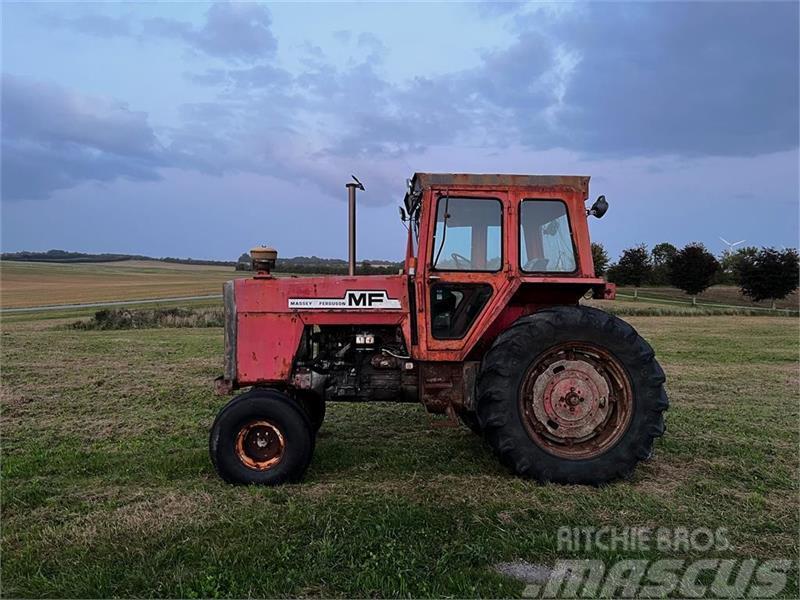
(469, 420)
(571, 394)
(261, 437)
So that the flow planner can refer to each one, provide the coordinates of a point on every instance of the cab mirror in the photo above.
(599, 207)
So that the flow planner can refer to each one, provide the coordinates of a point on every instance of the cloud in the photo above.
(55, 139)
(495, 8)
(256, 77)
(626, 81)
(689, 79)
(93, 24)
(238, 31)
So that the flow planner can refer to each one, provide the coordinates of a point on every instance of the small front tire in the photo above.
(315, 409)
(261, 437)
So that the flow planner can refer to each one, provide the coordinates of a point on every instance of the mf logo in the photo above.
(352, 299)
(366, 299)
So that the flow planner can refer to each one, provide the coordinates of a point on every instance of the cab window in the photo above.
(455, 306)
(545, 238)
(468, 234)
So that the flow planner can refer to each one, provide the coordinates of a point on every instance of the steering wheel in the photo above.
(536, 265)
(459, 260)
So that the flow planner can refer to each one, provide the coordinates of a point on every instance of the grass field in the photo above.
(107, 489)
(36, 284)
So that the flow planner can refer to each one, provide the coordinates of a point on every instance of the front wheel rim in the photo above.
(260, 445)
(576, 400)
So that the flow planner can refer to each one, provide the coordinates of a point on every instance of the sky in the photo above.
(203, 129)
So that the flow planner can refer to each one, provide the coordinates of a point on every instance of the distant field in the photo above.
(35, 284)
(108, 489)
(718, 294)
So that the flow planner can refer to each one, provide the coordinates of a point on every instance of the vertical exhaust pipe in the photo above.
(351, 226)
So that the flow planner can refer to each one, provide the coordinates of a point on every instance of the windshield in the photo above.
(545, 237)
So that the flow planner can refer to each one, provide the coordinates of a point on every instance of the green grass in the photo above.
(107, 489)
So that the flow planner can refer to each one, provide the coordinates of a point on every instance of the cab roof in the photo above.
(577, 183)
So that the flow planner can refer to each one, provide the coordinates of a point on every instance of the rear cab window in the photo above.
(545, 238)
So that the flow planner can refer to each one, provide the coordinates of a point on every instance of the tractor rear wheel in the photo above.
(571, 394)
(469, 420)
(261, 437)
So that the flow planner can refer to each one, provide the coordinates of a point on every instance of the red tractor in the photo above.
(483, 324)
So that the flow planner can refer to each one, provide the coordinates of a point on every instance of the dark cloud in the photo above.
(55, 139)
(239, 31)
(689, 79)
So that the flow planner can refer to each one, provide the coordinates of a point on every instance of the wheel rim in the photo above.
(260, 445)
(576, 400)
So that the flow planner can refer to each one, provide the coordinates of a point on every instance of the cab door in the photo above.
(466, 270)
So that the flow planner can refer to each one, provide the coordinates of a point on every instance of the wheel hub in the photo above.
(576, 400)
(570, 399)
(260, 445)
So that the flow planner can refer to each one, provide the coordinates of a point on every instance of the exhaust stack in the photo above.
(351, 227)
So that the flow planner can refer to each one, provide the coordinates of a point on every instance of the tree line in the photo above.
(313, 265)
(760, 273)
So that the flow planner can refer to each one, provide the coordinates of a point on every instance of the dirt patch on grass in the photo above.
(662, 476)
(144, 514)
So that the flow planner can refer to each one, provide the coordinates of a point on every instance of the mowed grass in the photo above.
(107, 489)
(24, 284)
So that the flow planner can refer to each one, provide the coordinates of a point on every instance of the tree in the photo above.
(243, 264)
(661, 255)
(730, 263)
(599, 258)
(633, 268)
(692, 269)
(770, 274)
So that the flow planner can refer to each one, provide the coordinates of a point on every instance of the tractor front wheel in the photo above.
(571, 394)
(261, 437)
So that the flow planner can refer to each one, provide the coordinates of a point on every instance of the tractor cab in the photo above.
(488, 247)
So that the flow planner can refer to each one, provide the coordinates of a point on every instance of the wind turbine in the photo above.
(731, 245)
